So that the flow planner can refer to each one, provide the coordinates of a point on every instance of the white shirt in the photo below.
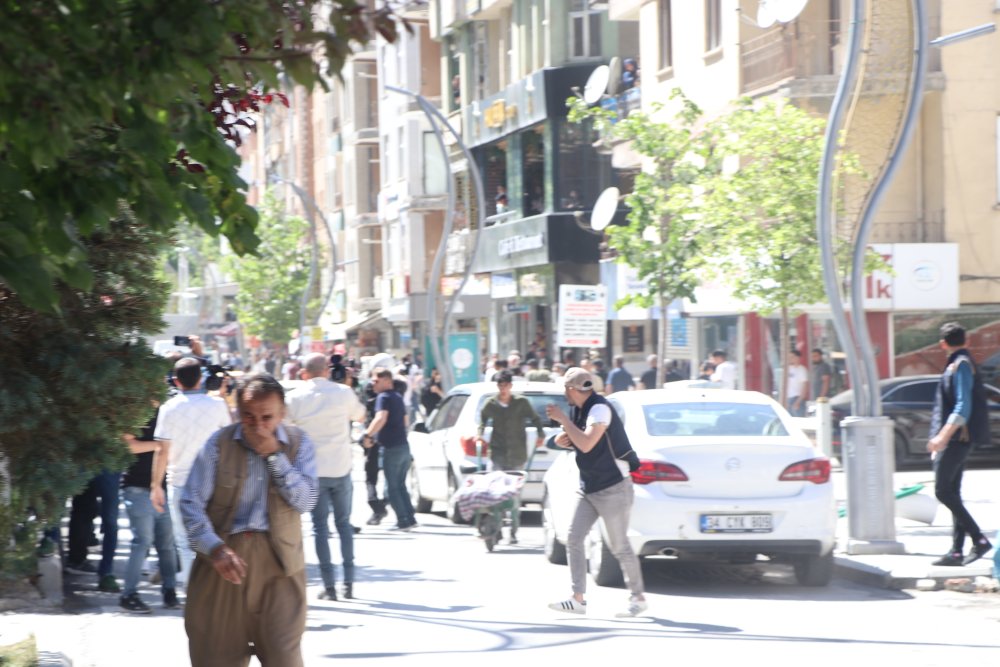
(725, 375)
(325, 410)
(188, 421)
(797, 378)
(599, 414)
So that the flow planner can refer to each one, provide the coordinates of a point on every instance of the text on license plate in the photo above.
(736, 523)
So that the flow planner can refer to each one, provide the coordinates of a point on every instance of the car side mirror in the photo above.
(421, 427)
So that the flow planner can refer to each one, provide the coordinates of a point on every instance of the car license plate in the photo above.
(736, 523)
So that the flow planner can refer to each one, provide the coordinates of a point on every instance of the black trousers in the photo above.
(372, 457)
(948, 468)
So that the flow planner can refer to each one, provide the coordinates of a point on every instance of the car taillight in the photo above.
(653, 471)
(816, 471)
(468, 443)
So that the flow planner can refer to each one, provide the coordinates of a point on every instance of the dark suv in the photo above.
(909, 401)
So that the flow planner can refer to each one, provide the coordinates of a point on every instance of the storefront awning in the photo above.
(344, 329)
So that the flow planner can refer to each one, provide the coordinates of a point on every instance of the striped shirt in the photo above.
(296, 483)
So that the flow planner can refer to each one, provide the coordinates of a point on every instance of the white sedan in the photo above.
(444, 447)
(725, 475)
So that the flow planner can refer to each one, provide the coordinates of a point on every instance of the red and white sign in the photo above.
(583, 318)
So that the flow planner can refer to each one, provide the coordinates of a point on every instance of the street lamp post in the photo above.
(442, 357)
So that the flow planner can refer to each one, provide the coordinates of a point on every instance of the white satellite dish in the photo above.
(596, 84)
(604, 209)
(614, 75)
(765, 15)
(786, 10)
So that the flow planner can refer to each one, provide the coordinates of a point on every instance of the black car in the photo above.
(909, 401)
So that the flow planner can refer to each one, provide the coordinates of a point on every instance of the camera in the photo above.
(182, 341)
(216, 376)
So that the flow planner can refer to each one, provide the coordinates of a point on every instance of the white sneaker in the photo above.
(634, 608)
(570, 606)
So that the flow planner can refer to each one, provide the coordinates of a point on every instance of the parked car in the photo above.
(910, 401)
(725, 475)
(444, 447)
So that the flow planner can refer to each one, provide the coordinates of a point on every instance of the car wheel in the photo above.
(555, 551)
(814, 570)
(603, 565)
(420, 504)
(453, 513)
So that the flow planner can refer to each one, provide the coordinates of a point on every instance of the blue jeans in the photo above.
(85, 507)
(335, 492)
(395, 465)
(149, 527)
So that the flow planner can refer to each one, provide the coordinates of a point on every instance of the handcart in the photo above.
(487, 495)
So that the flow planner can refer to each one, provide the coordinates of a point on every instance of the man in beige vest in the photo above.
(241, 507)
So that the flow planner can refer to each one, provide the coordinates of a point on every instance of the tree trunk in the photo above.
(784, 352)
(661, 352)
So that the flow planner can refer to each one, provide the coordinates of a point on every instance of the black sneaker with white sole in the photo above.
(132, 604)
(83, 567)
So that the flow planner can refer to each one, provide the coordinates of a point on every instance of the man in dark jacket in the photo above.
(605, 457)
(960, 420)
(508, 443)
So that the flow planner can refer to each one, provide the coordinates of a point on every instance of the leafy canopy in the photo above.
(142, 101)
(272, 281)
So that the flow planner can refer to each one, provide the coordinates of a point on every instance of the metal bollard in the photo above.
(824, 426)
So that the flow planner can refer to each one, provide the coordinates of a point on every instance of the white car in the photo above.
(444, 447)
(725, 475)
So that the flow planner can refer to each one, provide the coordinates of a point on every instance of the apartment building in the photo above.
(943, 200)
(507, 69)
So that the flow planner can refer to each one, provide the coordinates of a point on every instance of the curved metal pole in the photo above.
(917, 80)
(824, 216)
(435, 117)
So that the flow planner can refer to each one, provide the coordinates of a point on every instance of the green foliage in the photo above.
(272, 281)
(109, 100)
(74, 383)
(763, 214)
(663, 239)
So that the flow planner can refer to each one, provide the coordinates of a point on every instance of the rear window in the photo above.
(722, 419)
(538, 403)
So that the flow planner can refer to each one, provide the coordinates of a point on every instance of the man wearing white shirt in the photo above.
(725, 370)
(325, 410)
(184, 424)
(798, 385)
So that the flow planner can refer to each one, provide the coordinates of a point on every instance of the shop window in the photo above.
(533, 171)
(582, 172)
(493, 162)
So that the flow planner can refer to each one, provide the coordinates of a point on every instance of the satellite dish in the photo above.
(614, 75)
(786, 10)
(604, 209)
(596, 85)
(765, 14)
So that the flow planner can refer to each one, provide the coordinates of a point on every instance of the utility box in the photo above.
(869, 465)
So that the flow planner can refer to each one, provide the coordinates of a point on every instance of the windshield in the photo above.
(538, 403)
(721, 419)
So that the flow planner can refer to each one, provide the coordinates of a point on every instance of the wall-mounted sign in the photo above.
(516, 308)
(582, 316)
(503, 286)
(518, 244)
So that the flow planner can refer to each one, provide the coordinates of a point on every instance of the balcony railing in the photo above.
(624, 103)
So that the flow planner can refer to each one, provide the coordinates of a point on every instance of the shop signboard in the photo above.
(503, 286)
(582, 316)
(463, 353)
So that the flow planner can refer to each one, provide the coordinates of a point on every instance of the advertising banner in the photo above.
(582, 316)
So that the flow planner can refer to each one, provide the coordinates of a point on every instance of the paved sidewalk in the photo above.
(925, 543)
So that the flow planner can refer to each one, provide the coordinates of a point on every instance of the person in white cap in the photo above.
(605, 458)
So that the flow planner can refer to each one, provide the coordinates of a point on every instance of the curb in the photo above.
(872, 575)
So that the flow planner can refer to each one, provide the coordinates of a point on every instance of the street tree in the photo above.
(761, 211)
(74, 383)
(103, 101)
(273, 279)
(663, 238)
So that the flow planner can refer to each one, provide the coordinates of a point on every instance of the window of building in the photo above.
(533, 170)
(666, 35)
(584, 30)
(480, 60)
(713, 24)
(434, 166)
(582, 172)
